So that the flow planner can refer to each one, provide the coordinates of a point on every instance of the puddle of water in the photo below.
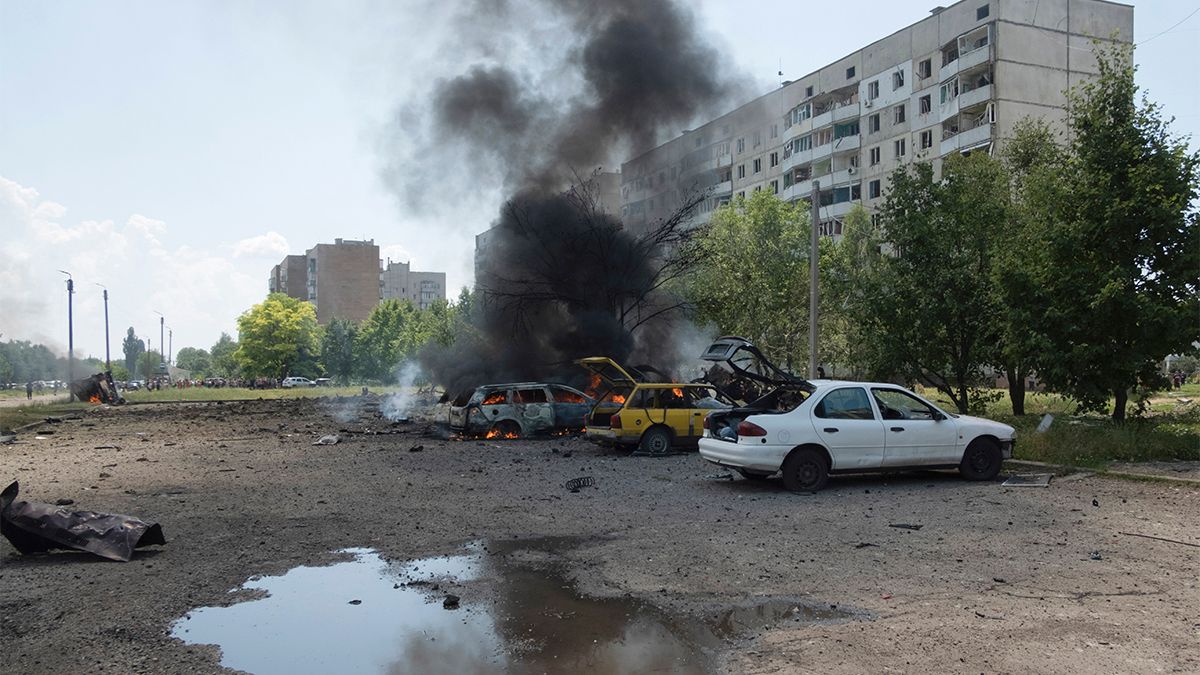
(514, 618)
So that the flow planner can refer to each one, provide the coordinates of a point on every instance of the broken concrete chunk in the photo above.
(328, 439)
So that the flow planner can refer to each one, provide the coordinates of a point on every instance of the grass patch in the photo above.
(240, 394)
(14, 417)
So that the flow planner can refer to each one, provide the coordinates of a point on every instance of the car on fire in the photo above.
(520, 409)
(652, 417)
(809, 430)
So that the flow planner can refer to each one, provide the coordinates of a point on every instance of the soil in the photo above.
(995, 580)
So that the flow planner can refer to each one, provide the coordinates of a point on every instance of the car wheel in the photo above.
(982, 460)
(507, 429)
(805, 470)
(656, 441)
(751, 475)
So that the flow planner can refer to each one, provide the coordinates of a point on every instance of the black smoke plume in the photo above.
(560, 277)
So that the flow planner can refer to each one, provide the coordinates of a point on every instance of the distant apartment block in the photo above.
(397, 280)
(956, 81)
(344, 280)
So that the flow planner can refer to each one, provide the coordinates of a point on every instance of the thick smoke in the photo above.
(561, 278)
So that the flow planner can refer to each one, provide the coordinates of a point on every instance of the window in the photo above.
(926, 139)
(850, 403)
(757, 138)
(873, 90)
(741, 145)
(925, 68)
(899, 114)
(530, 396)
(774, 159)
(824, 137)
(741, 171)
(873, 124)
(949, 90)
(982, 13)
(897, 79)
(925, 104)
(758, 188)
(873, 190)
(774, 187)
(850, 73)
(899, 405)
(900, 148)
(874, 156)
(774, 131)
(742, 194)
(787, 179)
(844, 130)
(567, 396)
(808, 91)
(803, 143)
(758, 165)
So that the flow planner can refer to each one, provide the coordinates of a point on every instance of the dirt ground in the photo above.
(996, 580)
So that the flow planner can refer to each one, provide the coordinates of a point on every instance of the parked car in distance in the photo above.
(520, 409)
(289, 382)
(854, 427)
(323, 382)
(652, 417)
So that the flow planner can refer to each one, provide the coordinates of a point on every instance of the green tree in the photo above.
(1122, 254)
(197, 361)
(383, 339)
(934, 307)
(149, 363)
(277, 337)
(337, 349)
(133, 349)
(221, 357)
(120, 373)
(754, 282)
(849, 273)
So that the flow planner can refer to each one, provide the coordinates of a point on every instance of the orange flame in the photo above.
(678, 392)
(94, 399)
(617, 398)
(495, 433)
(496, 398)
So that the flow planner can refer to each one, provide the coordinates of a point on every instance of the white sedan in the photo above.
(854, 427)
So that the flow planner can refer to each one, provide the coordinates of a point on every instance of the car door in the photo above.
(570, 407)
(848, 426)
(916, 432)
(676, 412)
(534, 409)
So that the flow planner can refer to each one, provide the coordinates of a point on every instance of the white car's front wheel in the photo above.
(981, 461)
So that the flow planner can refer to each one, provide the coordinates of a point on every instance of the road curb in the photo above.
(1127, 475)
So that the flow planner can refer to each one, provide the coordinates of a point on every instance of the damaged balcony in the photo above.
(967, 51)
(968, 130)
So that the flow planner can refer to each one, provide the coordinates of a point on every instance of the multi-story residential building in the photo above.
(397, 280)
(290, 277)
(955, 82)
(345, 280)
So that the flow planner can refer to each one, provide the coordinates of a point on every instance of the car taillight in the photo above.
(615, 421)
(750, 429)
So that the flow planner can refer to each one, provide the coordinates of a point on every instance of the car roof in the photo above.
(825, 384)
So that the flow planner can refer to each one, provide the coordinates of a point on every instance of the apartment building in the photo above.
(345, 280)
(956, 81)
(397, 280)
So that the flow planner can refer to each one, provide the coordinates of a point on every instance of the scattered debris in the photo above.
(864, 544)
(328, 439)
(1095, 555)
(1096, 503)
(6, 439)
(905, 526)
(1044, 425)
(985, 616)
(1150, 536)
(719, 476)
(1029, 480)
(885, 596)
(416, 448)
(999, 580)
(64, 502)
(576, 483)
(36, 528)
(107, 447)
(451, 602)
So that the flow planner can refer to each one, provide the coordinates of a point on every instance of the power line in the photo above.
(1180, 22)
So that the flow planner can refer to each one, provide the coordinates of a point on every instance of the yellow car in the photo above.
(653, 417)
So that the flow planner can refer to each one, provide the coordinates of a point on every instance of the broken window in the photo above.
(926, 104)
(824, 137)
(741, 145)
(496, 398)
(949, 90)
(873, 90)
(873, 124)
(808, 91)
(804, 143)
(568, 396)
(844, 130)
(897, 79)
(925, 68)
(926, 139)
(899, 114)
(900, 148)
(850, 73)
(757, 138)
(874, 152)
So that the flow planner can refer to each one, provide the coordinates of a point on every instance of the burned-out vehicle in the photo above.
(650, 416)
(520, 409)
(98, 388)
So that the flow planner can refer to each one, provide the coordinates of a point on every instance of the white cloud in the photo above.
(271, 244)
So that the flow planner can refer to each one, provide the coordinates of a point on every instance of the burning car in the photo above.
(520, 409)
(651, 416)
(98, 388)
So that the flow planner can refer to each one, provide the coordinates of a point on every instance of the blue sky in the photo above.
(196, 143)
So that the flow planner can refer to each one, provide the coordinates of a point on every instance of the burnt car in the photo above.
(520, 409)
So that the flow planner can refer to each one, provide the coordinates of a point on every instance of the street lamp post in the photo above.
(162, 343)
(170, 346)
(70, 335)
(107, 356)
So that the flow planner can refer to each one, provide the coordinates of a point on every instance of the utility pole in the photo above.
(70, 335)
(813, 295)
(107, 363)
(170, 346)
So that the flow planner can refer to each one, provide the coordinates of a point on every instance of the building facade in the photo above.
(290, 277)
(397, 280)
(955, 82)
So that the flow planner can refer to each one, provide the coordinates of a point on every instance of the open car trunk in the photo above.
(758, 386)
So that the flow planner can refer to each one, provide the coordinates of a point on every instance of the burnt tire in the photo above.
(981, 460)
(656, 441)
(507, 429)
(805, 470)
(751, 475)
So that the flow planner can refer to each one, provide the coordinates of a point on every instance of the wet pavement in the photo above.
(518, 614)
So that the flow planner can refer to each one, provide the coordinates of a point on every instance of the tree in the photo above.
(148, 365)
(223, 363)
(754, 281)
(337, 349)
(1122, 254)
(380, 344)
(133, 349)
(197, 361)
(849, 273)
(934, 308)
(277, 337)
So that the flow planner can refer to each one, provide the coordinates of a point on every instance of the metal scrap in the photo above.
(576, 483)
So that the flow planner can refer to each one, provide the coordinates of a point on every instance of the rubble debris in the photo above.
(1029, 480)
(451, 602)
(328, 439)
(36, 528)
(1150, 536)
(6, 439)
(905, 526)
(576, 483)
(719, 476)
(64, 502)
(1044, 425)
(1095, 555)
(416, 448)
(864, 544)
